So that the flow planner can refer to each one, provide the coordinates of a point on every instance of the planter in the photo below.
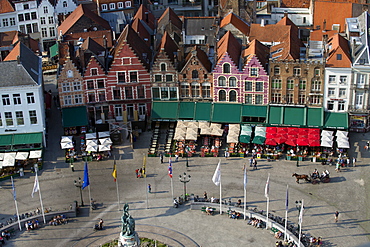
(8, 176)
(152, 155)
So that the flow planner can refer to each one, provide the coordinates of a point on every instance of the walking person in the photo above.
(254, 164)
(72, 167)
(149, 188)
(337, 167)
(354, 161)
(140, 172)
(336, 214)
(176, 157)
(161, 158)
(137, 173)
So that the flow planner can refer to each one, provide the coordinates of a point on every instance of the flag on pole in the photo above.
(36, 186)
(217, 176)
(287, 198)
(86, 181)
(144, 167)
(267, 187)
(245, 177)
(170, 168)
(301, 214)
(114, 173)
(13, 187)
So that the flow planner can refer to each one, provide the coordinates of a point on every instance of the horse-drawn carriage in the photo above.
(312, 178)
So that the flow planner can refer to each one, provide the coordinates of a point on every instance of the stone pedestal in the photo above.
(129, 241)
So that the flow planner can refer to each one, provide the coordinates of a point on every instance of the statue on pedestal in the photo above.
(128, 236)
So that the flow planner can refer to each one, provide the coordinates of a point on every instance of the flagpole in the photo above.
(300, 224)
(267, 188)
(286, 212)
(245, 191)
(220, 190)
(42, 206)
(170, 161)
(145, 185)
(118, 200)
(16, 205)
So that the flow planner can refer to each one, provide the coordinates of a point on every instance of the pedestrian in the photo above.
(319, 241)
(176, 157)
(149, 188)
(72, 167)
(354, 161)
(140, 172)
(254, 164)
(336, 216)
(161, 158)
(348, 161)
(137, 173)
(337, 167)
(251, 162)
(205, 195)
(227, 154)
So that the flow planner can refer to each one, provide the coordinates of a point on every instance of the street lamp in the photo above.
(184, 179)
(78, 184)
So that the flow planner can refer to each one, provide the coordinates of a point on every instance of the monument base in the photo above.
(129, 241)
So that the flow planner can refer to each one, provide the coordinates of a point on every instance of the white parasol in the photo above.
(206, 131)
(92, 142)
(2, 156)
(66, 139)
(215, 126)
(105, 141)
(1, 164)
(326, 143)
(92, 148)
(203, 125)
(66, 145)
(217, 132)
(234, 127)
(90, 136)
(191, 134)
(327, 138)
(35, 154)
(193, 125)
(9, 159)
(342, 143)
(103, 134)
(104, 148)
(341, 133)
(21, 156)
(327, 133)
(232, 139)
(181, 124)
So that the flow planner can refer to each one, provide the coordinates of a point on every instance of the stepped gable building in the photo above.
(238, 27)
(147, 19)
(195, 76)
(140, 29)
(90, 48)
(254, 83)
(164, 75)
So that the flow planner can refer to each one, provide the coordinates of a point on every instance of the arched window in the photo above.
(232, 96)
(232, 81)
(194, 74)
(222, 95)
(222, 81)
(226, 68)
(69, 73)
(163, 67)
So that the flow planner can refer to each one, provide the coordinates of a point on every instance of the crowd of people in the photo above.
(32, 225)
(58, 220)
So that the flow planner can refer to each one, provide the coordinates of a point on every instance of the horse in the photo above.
(303, 176)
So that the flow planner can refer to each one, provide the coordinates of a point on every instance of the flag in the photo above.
(86, 181)
(216, 179)
(267, 187)
(144, 167)
(170, 168)
(114, 173)
(13, 187)
(245, 177)
(301, 215)
(287, 199)
(36, 185)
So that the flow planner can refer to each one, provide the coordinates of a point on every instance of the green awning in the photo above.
(335, 120)
(165, 110)
(226, 113)
(314, 117)
(186, 110)
(74, 116)
(259, 140)
(27, 138)
(6, 140)
(275, 114)
(294, 116)
(244, 139)
(203, 111)
(54, 50)
(254, 111)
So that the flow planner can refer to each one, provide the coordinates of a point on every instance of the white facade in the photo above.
(8, 22)
(337, 93)
(301, 17)
(27, 15)
(65, 7)
(47, 23)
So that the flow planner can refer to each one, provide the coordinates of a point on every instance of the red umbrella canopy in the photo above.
(270, 129)
(282, 131)
(314, 143)
(280, 140)
(313, 131)
(314, 137)
(302, 142)
(291, 141)
(270, 142)
(303, 131)
(270, 135)
(293, 131)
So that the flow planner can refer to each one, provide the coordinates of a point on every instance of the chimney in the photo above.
(324, 25)
(262, 22)
(285, 13)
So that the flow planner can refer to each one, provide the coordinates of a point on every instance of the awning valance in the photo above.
(164, 110)
(336, 120)
(226, 113)
(27, 138)
(187, 110)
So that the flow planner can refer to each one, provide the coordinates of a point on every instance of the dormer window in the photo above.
(104, 7)
(112, 6)
(194, 74)
(339, 56)
(163, 67)
(94, 71)
(226, 68)
(69, 73)
(120, 5)
(254, 72)
(65, 4)
(128, 4)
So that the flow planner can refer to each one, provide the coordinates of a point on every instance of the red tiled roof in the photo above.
(202, 57)
(317, 35)
(236, 22)
(6, 6)
(168, 45)
(76, 15)
(295, 3)
(138, 26)
(98, 36)
(8, 38)
(170, 16)
(14, 53)
(257, 48)
(230, 45)
(223, 3)
(145, 15)
(339, 49)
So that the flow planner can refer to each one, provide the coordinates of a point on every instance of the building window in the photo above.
(5, 22)
(52, 31)
(254, 72)
(276, 84)
(248, 99)
(27, 16)
(78, 98)
(185, 90)
(339, 56)
(120, 5)
(121, 77)
(330, 105)
(66, 87)
(118, 110)
(165, 93)
(259, 86)
(206, 91)
(133, 76)
(12, 21)
(44, 32)
(17, 99)
(301, 99)
(22, 28)
(342, 92)
(104, 7)
(20, 17)
(8, 119)
(296, 71)
(157, 78)
(232, 81)
(35, 28)
(67, 100)
(128, 4)
(222, 81)
(142, 109)
(6, 99)
(316, 86)
(290, 84)
(331, 79)
(90, 84)
(34, 16)
(317, 72)
(51, 19)
(226, 68)
(101, 96)
(259, 99)
(91, 97)
(173, 92)
(26, 6)
(222, 95)
(194, 74)
(140, 92)
(289, 98)
(30, 98)
(232, 96)
(340, 105)
(248, 85)
(76, 86)
(195, 90)
(331, 91)
(155, 93)
(46, 10)
(163, 67)
(169, 78)
(69, 73)
(361, 79)
(100, 83)
(116, 93)
(1, 121)
(343, 79)
(315, 99)
(65, 4)
(128, 93)
(276, 70)
(276, 98)
(33, 117)
(112, 6)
